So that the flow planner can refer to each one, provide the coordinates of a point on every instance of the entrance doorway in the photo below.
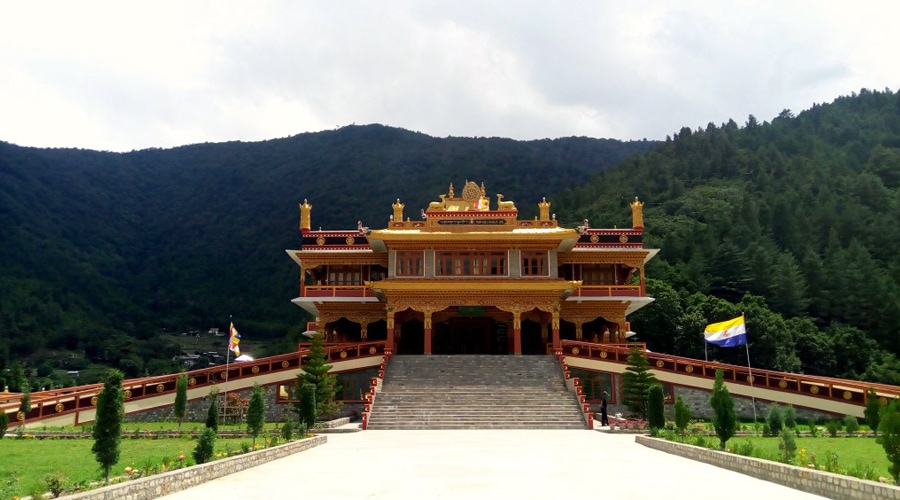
(470, 336)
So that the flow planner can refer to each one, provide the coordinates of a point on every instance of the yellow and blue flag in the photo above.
(234, 338)
(731, 333)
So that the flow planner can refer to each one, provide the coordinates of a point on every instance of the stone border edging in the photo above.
(817, 482)
(147, 488)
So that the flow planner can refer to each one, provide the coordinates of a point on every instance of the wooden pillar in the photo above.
(556, 341)
(517, 333)
(389, 342)
(427, 349)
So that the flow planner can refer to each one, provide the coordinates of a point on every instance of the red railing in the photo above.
(337, 291)
(846, 391)
(607, 291)
(60, 402)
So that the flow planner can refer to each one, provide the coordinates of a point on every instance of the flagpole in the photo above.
(750, 378)
(227, 359)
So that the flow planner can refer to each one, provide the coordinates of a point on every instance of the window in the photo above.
(598, 274)
(410, 264)
(534, 263)
(345, 275)
(470, 263)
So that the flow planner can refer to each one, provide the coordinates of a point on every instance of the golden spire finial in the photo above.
(637, 214)
(398, 210)
(544, 207)
(450, 192)
(305, 209)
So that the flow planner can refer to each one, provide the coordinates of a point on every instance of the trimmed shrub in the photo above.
(775, 419)
(851, 424)
(656, 415)
(873, 410)
(790, 417)
(833, 427)
(889, 427)
(4, 423)
(787, 446)
(205, 446)
(212, 414)
(682, 416)
(287, 430)
(307, 405)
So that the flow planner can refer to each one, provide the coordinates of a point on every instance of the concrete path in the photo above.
(487, 464)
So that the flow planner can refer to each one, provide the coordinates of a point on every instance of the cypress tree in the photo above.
(873, 410)
(682, 416)
(181, 385)
(108, 424)
(306, 406)
(656, 415)
(212, 414)
(724, 418)
(4, 423)
(889, 426)
(256, 412)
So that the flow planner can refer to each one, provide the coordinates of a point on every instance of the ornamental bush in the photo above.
(212, 414)
(889, 427)
(4, 423)
(656, 415)
(851, 424)
(205, 446)
(724, 419)
(775, 419)
(682, 416)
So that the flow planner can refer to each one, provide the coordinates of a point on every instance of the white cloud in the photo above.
(119, 75)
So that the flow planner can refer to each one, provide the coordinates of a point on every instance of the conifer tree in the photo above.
(656, 415)
(636, 382)
(4, 423)
(212, 414)
(889, 426)
(181, 385)
(108, 424)
(256, 412)
(682, 416)
(873, 410)
(315, 372)
(722, 405)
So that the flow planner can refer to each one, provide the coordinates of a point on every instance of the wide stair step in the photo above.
(475, 392)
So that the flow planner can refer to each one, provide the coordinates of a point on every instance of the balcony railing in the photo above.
(352, 291)
(846, 391)
(608, 291)
(55, 403)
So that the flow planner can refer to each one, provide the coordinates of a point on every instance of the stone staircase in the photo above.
(475, 392)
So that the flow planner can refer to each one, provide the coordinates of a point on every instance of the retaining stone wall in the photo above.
(698, 401)
(813, 481)
(150, 487)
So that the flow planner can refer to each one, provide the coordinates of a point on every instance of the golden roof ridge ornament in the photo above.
(637, 214)
(305, 209)
(544, 207)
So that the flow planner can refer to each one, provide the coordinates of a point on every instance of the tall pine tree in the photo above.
(108, 424)
(315, 372)
(636, 382)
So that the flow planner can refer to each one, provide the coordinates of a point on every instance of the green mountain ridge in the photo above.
(103, 251)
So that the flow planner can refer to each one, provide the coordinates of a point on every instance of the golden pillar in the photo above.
(579, 334)
(305, 210)
(363, 332)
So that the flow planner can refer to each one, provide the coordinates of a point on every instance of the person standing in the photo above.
(604, 416)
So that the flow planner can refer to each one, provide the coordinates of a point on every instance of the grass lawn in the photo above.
(25, 462)
(851, 451)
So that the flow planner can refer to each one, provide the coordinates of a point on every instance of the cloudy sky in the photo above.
(130, 75)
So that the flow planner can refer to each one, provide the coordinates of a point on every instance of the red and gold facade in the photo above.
(472, 278)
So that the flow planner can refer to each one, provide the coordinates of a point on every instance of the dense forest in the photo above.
(105, 255)
(792, 222)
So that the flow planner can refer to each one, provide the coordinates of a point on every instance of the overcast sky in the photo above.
(124, 75)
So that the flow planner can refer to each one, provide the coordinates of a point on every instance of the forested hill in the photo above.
(795, 222)
(101, 252)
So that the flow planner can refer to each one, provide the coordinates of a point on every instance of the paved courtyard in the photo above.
(487, 464)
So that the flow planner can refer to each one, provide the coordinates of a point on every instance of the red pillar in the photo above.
(517, 333)
(389, 342)
(556, 341)
(427, 349)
